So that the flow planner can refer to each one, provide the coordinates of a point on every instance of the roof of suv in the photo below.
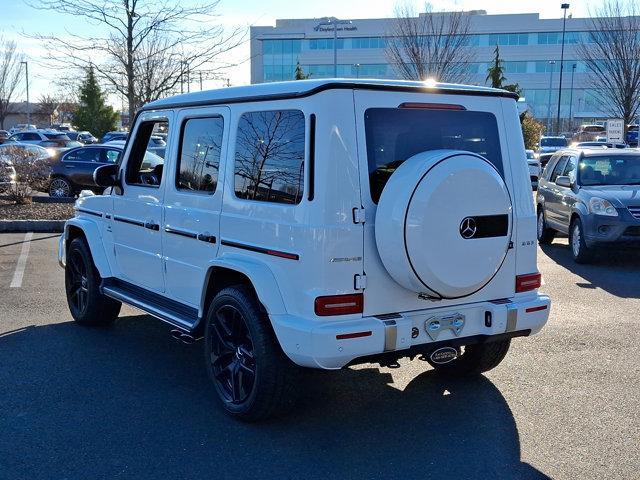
(599, 152)
(304, 88)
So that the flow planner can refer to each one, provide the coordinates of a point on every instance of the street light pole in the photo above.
(357, 65)
(573, 72)
(564, 6)
(552, 63)
(333, 22)
(26, 72)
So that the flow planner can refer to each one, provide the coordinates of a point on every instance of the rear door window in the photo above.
(395, 134)
(558, 168)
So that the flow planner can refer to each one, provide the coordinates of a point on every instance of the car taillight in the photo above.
(530, 281)
(339, 304)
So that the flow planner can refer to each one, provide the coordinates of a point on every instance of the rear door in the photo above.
(79, 165)
(553, 194)
(421, 122)
(193, 199)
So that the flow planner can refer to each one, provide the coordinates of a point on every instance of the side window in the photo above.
(199, 158)
(30, 136)
(111, 156)
(143, 167)
(570, 168)
(70, 157)
(558, 169)
(269, 159)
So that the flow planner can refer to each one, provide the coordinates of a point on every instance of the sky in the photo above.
(17, 18)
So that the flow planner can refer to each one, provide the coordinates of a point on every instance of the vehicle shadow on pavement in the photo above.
(616, 272)
(128, 401)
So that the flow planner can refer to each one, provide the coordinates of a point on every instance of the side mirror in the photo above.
(563, 181)
(107, 175)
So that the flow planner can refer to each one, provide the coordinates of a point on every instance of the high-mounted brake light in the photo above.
(432, 106)
(339, 304)
(530, 281)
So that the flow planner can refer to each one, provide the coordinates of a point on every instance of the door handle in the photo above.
(206, 237)
(152, 226)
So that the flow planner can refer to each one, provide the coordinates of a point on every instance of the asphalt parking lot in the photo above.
(130, 402)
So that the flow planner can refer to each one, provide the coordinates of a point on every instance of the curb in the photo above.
(19, 226)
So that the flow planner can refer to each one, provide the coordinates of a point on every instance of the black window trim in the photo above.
(183, 124)
(128, 164)
(235, 149)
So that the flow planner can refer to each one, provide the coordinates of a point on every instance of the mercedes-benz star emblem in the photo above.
(468, 228)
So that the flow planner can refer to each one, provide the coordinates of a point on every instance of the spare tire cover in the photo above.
(443, 223)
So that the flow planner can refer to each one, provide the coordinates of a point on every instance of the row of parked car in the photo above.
(66, 165)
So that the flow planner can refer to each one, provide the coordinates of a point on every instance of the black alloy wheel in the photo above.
(232, 355)
(77, 283)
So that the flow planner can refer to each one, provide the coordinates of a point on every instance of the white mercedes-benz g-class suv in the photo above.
(317, 224)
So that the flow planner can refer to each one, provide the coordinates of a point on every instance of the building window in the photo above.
(269, 158)
(199, 158)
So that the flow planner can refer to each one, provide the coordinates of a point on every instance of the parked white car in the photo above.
(534, 168)
(317, 224)
(20, 127)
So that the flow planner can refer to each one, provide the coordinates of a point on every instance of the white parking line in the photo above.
(16, 282)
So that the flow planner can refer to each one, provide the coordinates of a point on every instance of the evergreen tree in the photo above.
(93, 114)
(300, 75)
(495, 73)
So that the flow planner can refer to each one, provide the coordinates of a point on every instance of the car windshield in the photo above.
(609, 170)
(62, 143)
(553, 142)
(530, 155)
(395, 134)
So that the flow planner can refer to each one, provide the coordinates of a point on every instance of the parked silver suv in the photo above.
(592, 195)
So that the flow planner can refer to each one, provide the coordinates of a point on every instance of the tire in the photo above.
(241, 350)
(60, 188)
(544, 233)
(579, 250)
(475, 359)
(82, 284)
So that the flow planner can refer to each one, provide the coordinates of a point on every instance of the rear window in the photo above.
(56, 136)
(553, 142)
(394, 134)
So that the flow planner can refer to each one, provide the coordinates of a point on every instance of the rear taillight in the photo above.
(530, 281)
(339, 304)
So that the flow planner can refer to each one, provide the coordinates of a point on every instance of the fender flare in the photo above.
(259, 274)
(91, 232)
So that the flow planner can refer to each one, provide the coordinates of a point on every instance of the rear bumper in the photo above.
(320, 343)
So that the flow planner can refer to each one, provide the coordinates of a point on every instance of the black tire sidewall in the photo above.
(80, 247)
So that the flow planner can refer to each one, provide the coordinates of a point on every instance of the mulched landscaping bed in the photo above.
(35, 211)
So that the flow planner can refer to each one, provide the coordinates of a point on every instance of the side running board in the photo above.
(172, 312)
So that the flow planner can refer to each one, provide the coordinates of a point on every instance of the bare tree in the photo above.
(430, 44)
(47, 106)
(10, 69)
(147, 43)
(611, 54)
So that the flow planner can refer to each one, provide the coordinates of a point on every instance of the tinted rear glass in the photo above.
(395, 134)
(56, 136)
(553, 142)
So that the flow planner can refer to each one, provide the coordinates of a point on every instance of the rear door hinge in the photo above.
(359, 282)
(358, 215)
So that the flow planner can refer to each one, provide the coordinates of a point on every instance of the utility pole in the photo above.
(565, 7)
(333, 22)
(200, 73)
(26, 72)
